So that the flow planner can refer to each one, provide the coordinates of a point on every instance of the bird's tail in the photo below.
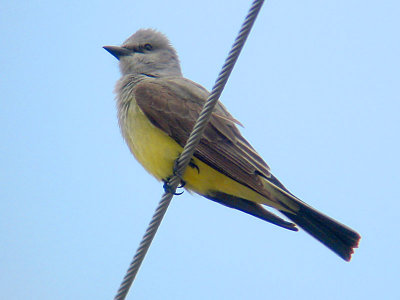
(336, 236)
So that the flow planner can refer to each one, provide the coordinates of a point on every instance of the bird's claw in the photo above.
(168, 189)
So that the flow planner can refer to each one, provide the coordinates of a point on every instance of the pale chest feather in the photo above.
(154, 149)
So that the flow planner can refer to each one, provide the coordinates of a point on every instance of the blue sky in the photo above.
(317, 88)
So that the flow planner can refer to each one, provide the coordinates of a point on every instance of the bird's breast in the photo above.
(153, 148)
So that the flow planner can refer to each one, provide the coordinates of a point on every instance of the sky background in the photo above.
(317, 88)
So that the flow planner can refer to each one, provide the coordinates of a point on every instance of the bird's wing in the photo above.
(173, 105)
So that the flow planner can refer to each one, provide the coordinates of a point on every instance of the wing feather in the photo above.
(174, 104)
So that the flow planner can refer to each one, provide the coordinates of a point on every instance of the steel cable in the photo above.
(189, 149)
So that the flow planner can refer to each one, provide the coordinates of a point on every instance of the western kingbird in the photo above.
(157, 109)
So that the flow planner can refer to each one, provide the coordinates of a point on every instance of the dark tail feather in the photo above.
(336, 236)
(250, 208)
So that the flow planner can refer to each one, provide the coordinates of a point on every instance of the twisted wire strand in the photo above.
(220, 83)
(189, 149)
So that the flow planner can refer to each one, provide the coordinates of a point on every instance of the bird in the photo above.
(157, 108)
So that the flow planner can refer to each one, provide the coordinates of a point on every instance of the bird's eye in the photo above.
(148, 47)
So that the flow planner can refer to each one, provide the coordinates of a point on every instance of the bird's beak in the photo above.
(117, 51)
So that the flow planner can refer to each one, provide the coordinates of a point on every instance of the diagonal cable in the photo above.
(189, 149)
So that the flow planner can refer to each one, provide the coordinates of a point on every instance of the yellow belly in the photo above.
(157, 152)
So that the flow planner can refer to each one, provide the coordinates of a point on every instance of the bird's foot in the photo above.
(168, 188)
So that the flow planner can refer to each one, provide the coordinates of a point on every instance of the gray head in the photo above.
(148, 52)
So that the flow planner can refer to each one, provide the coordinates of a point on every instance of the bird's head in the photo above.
(147, 52)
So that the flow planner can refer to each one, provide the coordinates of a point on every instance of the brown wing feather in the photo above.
(174, 104)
